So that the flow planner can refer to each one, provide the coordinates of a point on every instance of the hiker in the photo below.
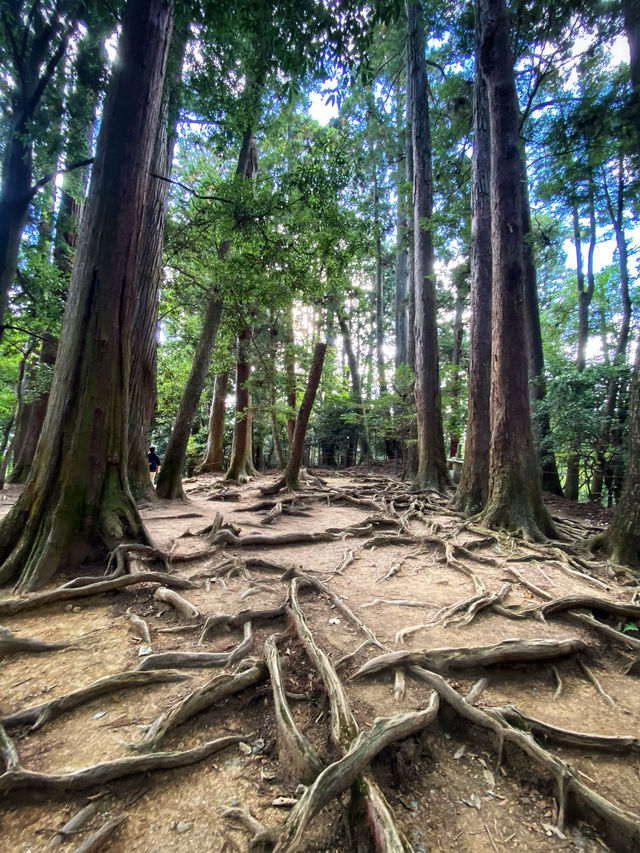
(154, 463)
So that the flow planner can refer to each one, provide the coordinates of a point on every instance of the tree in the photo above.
(77, 499)
(514, 499)
(432, 465)
(622, 539)
(291, 473)
(473, 488)
(35, 40)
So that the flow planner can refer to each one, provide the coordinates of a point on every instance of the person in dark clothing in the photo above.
(154, 463)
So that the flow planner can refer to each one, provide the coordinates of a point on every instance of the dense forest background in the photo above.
(309, 173)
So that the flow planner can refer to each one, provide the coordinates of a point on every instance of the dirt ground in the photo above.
(449, 787)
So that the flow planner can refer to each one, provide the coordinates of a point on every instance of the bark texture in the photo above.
(77, 499)
(432, 465)
(143, 393)
(241, 464)
(473, 489)
(170, 477)
(515, 496)
(623, 536)
(213, 460)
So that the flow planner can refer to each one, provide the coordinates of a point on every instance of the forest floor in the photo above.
(389, 576)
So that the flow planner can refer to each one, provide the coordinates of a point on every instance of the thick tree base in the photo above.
(523, 515)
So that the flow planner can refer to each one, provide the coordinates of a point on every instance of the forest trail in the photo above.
(390, 572)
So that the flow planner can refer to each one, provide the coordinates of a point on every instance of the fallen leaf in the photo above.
(284, 802)
(459, 753)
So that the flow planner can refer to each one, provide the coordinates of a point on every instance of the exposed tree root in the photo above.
(30, 602)
(622, 828)
(139, 625)
(506, 651)
(97, 839)
(295, 752)
(75, 823)
(342, 774)
(575, 616)
(10, 644)
(344, 730)
(305, 580)
(202, 699)
(177, 601)
(108, 771)
(594, 680)
(565, 737)
(226, 537)
(8, 751)
(199, 660)
(239, 619)
(38, 715)
(590, 602)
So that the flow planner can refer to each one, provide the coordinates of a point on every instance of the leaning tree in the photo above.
(77, 499)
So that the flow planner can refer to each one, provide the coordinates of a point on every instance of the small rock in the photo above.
(244, 748)
(68, 608)
(334, 621)
(183, 826)
(144, 650)
(77, 609)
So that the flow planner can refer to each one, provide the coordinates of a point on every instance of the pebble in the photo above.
(184, 826)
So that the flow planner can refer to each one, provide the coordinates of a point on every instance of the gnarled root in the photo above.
(10, 644)
(38, 715)
(108, 771)
(215, 690)
(442, 660)
(622, 828)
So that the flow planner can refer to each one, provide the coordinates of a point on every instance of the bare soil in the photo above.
(448, 787)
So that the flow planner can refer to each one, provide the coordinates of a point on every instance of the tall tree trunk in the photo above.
(473, 488)
(35, 47)
(537, 380)
(356, 385)
(401, 245)
(620, 357)
(213, 459)
(631, 13)
(454, 435)
(623, 536)
(169, 481)
(77, 501)
(585, 295)
(410, 456)
(514, 501)
(241, 464)
(291, 474)
(31, 416)
(382, 381)
(432, 464)
(290, 376)
(143, 391)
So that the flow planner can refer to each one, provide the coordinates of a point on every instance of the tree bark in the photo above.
(289, 479)
(77, 501)
(356, 386)
(169, 483)
(143, 391)
(623, 535)
(31, 417)
(473, 488)
(42, 46)
(401, 246)
(432, 464)
(608, 412)
(213, 459)
(241, 464)
(514, 500)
